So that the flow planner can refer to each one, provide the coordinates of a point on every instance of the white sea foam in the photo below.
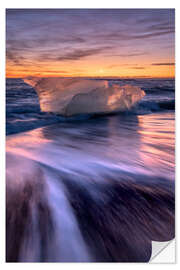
(37, 191)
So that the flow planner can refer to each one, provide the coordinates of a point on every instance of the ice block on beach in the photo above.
(74, 96)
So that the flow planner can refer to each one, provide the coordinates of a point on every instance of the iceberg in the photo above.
(74, 96)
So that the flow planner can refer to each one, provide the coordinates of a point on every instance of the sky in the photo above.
(90, 42)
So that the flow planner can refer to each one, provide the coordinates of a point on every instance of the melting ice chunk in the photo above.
(73, 96)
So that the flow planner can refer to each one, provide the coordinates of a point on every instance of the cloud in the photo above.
(137, 67)
(78, 54)
(163, 64)
(129, 54)
(165, 26)
(153, 34)
(42, 43)
(75, 54)
(14, 58)
(124, 36)
(54, 71)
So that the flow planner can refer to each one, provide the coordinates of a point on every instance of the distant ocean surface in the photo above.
(98, 189)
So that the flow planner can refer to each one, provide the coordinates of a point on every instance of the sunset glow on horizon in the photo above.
(90, 43)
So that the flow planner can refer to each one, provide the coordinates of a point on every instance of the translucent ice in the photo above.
(73, 96)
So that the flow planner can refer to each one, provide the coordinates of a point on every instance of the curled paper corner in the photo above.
(163, 252)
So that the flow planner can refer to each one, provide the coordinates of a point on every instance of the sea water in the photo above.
(89, 189)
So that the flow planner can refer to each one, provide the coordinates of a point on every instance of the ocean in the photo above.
(96, 189)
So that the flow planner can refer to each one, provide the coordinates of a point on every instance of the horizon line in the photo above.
(98, 77)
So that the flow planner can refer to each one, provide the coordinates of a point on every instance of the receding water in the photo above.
(99, 189)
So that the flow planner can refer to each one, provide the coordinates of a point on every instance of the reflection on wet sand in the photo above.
(136, 144)
(157, 142)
